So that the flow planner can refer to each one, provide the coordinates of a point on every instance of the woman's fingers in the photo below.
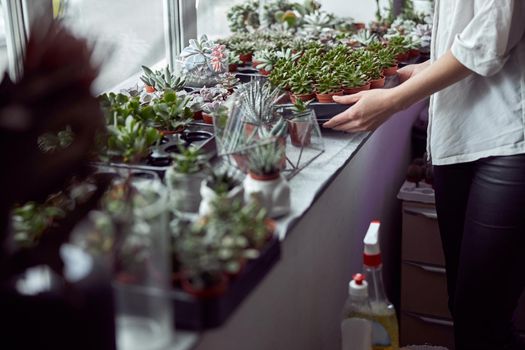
(347, 99)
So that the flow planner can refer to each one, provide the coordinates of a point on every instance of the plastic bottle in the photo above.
(356, 329)
(385, 334)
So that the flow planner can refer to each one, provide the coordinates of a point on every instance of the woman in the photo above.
(476, 77)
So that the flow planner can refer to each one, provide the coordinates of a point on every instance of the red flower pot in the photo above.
(197, 115)
(300, 133)
(264, 72)
(355, 90)
(232, 67)
(255, 64)
(149, 89)
(390, 71)
(302, 97)
(246, 58)
(402, 57)
(208, 118)
(413, 53)
(327, 98)
(377, 83)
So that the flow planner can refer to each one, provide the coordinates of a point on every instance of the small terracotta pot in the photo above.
(216, 290)
(390, 71)
(377, 83)
(149, 89)
(413, 53)
(246, 58)
(327, 98)
(300, 133)
(302, 97)
(264, 72)
(402, 57)
(255, 64)
(197, 115)
(355, 90)
(232, 67)
(208, 118)
(265, 177)
(359, 25)
(171, 132)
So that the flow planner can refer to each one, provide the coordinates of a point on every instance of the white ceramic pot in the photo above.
(209, 196)
(273, 194)
(184, 190)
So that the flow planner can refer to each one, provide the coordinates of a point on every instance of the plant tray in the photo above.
(198, 135)
(194, 313)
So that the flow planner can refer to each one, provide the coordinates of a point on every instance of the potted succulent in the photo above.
(281, 74)
(328, 85)
(131, 141)
(161, 80)
(301, 85)
(220, 186)
(233, 61)
(264, 182)
(172, 112)
(189, 168)
(387, 61)
(243, 17)
(353, 80)
(243, 50)
(212, 100)
(299, 125)
(228, 81)
(371, 67)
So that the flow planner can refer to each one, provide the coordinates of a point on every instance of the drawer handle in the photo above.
(432, 320)
(427, 213)
(434, 269)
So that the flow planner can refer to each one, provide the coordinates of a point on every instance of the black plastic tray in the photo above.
(193, 313)
(208, 147)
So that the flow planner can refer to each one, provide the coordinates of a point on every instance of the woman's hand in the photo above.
(371, 109)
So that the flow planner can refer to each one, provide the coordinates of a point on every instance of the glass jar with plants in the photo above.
(328, 84)
(220, 185)
(264, 182)
(300, 124)
(189, 168)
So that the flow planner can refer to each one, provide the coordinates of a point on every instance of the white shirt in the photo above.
(484, 114)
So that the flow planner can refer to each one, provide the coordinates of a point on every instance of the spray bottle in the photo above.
(385, 334)
(356, 329)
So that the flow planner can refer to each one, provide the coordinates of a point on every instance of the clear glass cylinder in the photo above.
(143, 272)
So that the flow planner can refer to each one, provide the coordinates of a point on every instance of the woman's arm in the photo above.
(372, 108)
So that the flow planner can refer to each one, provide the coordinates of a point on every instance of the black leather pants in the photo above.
(481, 214)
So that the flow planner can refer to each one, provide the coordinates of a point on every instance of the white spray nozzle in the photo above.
(372, 239)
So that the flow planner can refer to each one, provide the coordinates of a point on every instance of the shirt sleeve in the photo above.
(497, 27)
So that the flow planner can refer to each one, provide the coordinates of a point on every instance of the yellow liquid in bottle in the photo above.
(383, 318)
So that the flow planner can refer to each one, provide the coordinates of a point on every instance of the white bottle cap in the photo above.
(358, 287)
(372, 239)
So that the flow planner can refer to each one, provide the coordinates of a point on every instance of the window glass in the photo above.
(211, 17)
(128, 34)
(3, 46)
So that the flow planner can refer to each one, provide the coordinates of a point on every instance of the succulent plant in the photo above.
(162, 79)
(386, 57)
(221, 181)
(132, 140)
(257, 99)
(318, 20)
(228, 81)
(31, 219)
(351, 76)
(300, 107)
(281, 73)
(328, 83)
(50, 142)
(171, 111)
(244, 16)
(364, 37)
(189, 160)
(300, 82)
(265, 158)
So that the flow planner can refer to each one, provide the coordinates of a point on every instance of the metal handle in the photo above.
(432, 320)
(427, 213)
(433, 269)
